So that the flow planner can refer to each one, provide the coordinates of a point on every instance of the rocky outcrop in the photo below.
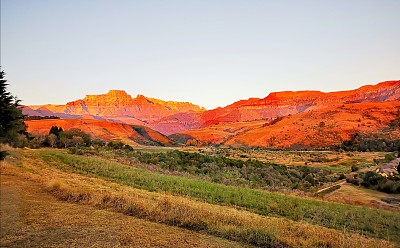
(119, 106)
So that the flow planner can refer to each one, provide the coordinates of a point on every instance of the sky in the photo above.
(209, 52)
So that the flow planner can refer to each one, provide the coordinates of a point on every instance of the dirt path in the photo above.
(332, 185)
(30, 217)
(343, 181)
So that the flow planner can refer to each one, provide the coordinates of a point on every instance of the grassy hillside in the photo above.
(371, 222)
(238, 172)
(113, 186)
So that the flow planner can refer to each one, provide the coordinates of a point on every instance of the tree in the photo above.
(77, 132)
(55, 130)
(65, 141)
(52, 140)
(37, 141)
(77, 140)
(12, 125)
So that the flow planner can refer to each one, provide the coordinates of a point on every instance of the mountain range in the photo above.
(271, 121)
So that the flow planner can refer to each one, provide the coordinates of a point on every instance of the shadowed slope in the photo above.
(105, 130)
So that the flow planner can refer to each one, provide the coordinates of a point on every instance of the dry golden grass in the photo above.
(30, 217)
(217, 220)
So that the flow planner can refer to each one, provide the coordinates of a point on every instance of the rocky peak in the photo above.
(108, 97)
(118, 94)
(141, 99)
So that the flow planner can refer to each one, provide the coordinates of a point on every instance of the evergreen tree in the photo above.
(12, 126)
(56, 131)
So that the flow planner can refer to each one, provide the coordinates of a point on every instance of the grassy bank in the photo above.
(222, 221)
(371, 222)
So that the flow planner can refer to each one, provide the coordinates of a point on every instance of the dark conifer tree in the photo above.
(11, 118)
(56, 131)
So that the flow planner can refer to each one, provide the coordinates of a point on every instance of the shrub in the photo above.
(3, 154)
(389, 157)
(76, 150)
(128, 148)
(98, 142)
(115, 144)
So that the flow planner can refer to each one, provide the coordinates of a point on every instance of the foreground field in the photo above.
(30, 217)
(113, 186)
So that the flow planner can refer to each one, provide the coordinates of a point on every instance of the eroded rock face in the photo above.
(324, 127)
(285, 103)
(117, 105)
(170, 117)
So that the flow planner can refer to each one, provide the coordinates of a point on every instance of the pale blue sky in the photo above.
(211, 53)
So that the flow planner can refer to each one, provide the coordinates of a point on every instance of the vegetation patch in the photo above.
(373, 180)
(370, 142)
(248, 173)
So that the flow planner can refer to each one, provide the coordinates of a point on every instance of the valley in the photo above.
(294, 169)
(294, 120)
(191, 124)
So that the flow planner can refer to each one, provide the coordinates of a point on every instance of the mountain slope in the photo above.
(116, 105)
(315, 128)
(278, 104)
(275, 105)
(131, 134)
(169, 117)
